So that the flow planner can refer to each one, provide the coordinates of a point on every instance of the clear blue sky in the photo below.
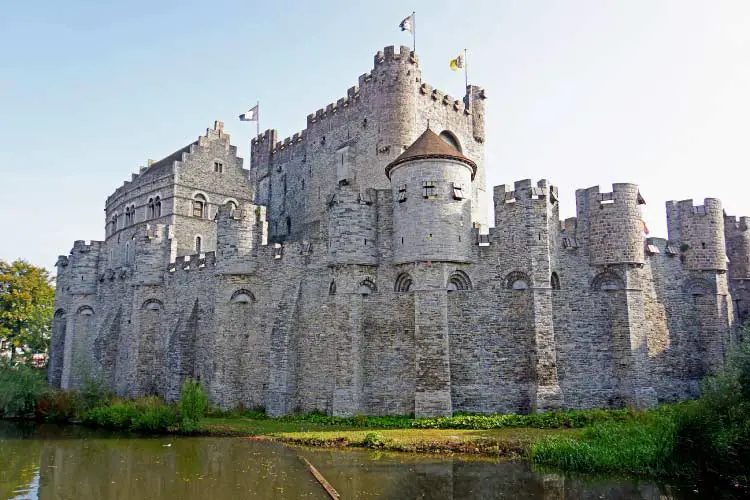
(581, 92)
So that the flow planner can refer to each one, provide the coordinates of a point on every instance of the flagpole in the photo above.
(414, 32)
(466, 69)
(257, 118)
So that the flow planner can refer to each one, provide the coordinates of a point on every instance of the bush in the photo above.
(153, 415)
(93, 393)
(21, 387)
(147, 414)
(192, 405)
(58, 406)
(374, 440)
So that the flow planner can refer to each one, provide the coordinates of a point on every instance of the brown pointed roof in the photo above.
(427, 146)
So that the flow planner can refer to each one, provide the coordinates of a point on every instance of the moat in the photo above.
(72, 462)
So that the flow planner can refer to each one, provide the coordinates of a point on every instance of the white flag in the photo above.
(406, 24)
(251, 115)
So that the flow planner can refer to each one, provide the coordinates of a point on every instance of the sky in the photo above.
(580, 92)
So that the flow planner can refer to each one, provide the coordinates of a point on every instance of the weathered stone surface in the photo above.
(312, 281)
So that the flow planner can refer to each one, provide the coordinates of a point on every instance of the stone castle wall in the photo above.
(378, 300)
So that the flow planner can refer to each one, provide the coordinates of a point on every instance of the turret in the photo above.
(240, 234)
(698, 232)
(82, 269)
(737, 236)
(261, 147)
(431, 184)
(611, 225)
(154, 250)
(352, 226)
(527, 217)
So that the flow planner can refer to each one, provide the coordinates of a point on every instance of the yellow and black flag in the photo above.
(457, 63)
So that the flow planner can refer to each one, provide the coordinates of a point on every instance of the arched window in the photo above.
(451, 139)
(607, 281)
(127, 216)
(517, 281)
(242, 296)
(199, 206)
(152, 305)
(198, 244)
(232, 206)
(366, 287)
(157, 206)
(85, 311)
(554, 281)
(403, 283)
(458, 281)
(332, 288)
(697, 286)
(150, 212)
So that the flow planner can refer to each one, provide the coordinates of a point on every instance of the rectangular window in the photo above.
(218, 167)
(429, 191)
(458, 191)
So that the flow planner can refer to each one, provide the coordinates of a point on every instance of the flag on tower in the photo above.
(407, 24)
(457, 63)
(251, 115)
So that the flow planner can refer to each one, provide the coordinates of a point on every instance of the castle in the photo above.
(351, 269)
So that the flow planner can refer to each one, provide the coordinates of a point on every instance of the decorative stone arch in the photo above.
(366, 287)
(459, 281)
(517, 280)
(698, 286)
(233, 204)
(59, 314)
(403, 283)
(85, 311)
(242, 296)
(554, 281)
(451, 139)
(607, 281)
(153, 305)
(199, 203)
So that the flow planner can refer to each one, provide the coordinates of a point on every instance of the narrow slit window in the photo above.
(402, 194)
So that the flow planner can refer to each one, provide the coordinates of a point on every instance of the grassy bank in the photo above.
(703, 440)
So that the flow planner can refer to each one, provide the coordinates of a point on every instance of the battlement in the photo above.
(192, 262)
(389, 55)
(736, 224)
(524, 192)
(80, 246)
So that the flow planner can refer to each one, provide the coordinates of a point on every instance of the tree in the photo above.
(27, 299)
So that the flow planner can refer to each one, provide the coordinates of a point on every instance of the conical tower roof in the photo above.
(429, 145)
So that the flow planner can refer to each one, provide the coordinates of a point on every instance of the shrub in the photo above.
(374, 440)
(153, 415)
(21, 387)
(93, 393)
(192, 405)
(58, 406)
(147, 414)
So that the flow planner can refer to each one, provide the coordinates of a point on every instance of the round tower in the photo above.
(698, 231)
(615, 225)
(432, 185)
(737, 235)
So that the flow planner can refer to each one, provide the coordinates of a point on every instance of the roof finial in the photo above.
(428, 124)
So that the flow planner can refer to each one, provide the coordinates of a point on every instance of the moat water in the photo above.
(71, 462)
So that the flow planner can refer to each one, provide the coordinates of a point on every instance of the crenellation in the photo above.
(351, 270)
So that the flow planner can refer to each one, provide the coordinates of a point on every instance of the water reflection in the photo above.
(70, 462)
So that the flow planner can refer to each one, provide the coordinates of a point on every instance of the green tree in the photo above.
(27, 299)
